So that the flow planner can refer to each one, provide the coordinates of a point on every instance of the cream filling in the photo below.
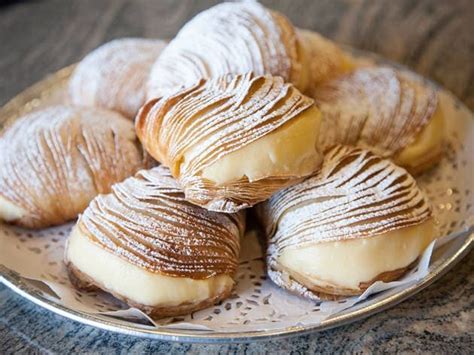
(426, 145)
(289, 151)
(10, 212)
(138, 285)
(346, 264)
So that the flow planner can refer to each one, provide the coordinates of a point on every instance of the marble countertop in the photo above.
(432, 37)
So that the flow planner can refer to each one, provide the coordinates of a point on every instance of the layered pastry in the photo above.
(323, 60)
(236, 38)
(146, 245)
(54, 161)
(384, 110)
(233, 141)
(114, 75)
(358, 220)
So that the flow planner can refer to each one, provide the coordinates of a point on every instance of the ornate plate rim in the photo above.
(16, 284)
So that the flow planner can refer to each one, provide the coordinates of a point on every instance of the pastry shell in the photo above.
(155, 238)
(199, 126)
(55, 160)
(383, 110)
(356, 195)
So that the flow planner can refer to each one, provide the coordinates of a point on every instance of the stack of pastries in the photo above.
(241, 110)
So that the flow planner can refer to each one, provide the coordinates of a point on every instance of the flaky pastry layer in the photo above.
(229, 38)
(114, 75)
(146, 244)
(231, 142)
(382, 109)
(355, 196)
(147, 222)
(54, 161)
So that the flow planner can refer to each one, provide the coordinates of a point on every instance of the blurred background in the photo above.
(433, 37)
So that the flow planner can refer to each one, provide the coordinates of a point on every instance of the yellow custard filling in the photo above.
(289, 151)
(346, 264)
(118, 276)
(426, 145)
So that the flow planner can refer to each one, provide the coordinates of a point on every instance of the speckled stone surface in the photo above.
(432, 37)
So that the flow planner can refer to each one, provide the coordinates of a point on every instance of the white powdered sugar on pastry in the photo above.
(375, 108)
(230, 38)
(54, 161)
(147, 222)
(198, 127)
(145, 244)
(355, 195)
(114, 75)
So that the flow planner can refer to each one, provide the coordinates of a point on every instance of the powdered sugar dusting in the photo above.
(230, 38)
(114, 75)
(215, 118)
(355, 195)
(147, 221)
(54, 161)
(375, 108)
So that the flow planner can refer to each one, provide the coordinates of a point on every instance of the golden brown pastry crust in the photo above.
(215, 118)
(356, 194)
(323, 60)
(376, 108)
(54, 161)
(146, 221)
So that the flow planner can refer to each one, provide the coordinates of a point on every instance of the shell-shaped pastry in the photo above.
(114, 75)
(323, 60)
(146, 244)
(230, 38)
(381, 109)
(233, 141)
(54, 161)
(359, 219)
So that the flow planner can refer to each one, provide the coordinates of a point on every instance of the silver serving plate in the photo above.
(445, 258)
